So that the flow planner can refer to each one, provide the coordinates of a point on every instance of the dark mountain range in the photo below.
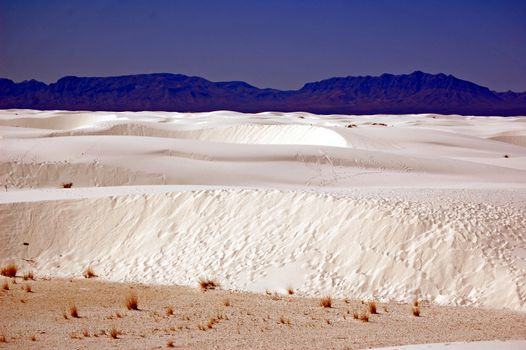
(417, 92)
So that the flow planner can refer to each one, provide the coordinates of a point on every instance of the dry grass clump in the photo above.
(371, 306)
(89, 273)
(416, 310)
(170, 344)
(67, 184)
(283, 320)
(28, 288)
(226, 302)
(132, 302)
(114, 333)
(206, 284)
(364, 317)
(74, 311)
(5, 285)
(29, 276)
(326, 302)
(9, 270)
(211, 322)
(169, 310)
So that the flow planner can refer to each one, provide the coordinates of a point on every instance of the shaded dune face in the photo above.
(391, 207)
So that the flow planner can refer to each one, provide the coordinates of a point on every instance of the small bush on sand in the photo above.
(364, 317)
(169, 311)
(211, 322)
(89, 273)
(9, 270)
(170, 344)
(416, 311)
(5, 285)
(283, 320)
(290, 291)
(28, 288)
(226, 302)
(67, 184)
(29, 276)
(206, 284)
(3, 339)
(114, 333)
(85, 333)
(371, 306)
(326, 302)
(132, 302)
(74, 311)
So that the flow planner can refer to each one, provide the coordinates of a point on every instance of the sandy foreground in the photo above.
(227, 319)
(386, 208)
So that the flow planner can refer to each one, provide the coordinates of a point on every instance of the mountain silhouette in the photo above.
(417, 92)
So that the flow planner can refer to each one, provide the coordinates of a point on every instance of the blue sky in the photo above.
(280, 44)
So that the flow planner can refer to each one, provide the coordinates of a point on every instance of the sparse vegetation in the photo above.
(211, 322)
(206, 284)
(416, 310)
(132, 301)
(9, 270)
(506, 156)
(74, 311)
(33, 338)
(364, 317)
(169, 311)
(371, 306)
(114, 333)
(290, 291)
(3, 339)
(380, 124)
(85, 333)
(170, 344)
(67, 184)
(326, 302)
(226, 302)
(5, 285)
(29, 276)
(28, 288)
(283, 320)
(89, 273)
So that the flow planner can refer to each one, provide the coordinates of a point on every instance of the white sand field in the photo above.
(429, 206)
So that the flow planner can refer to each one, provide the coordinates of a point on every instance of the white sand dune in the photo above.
(429, 206)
